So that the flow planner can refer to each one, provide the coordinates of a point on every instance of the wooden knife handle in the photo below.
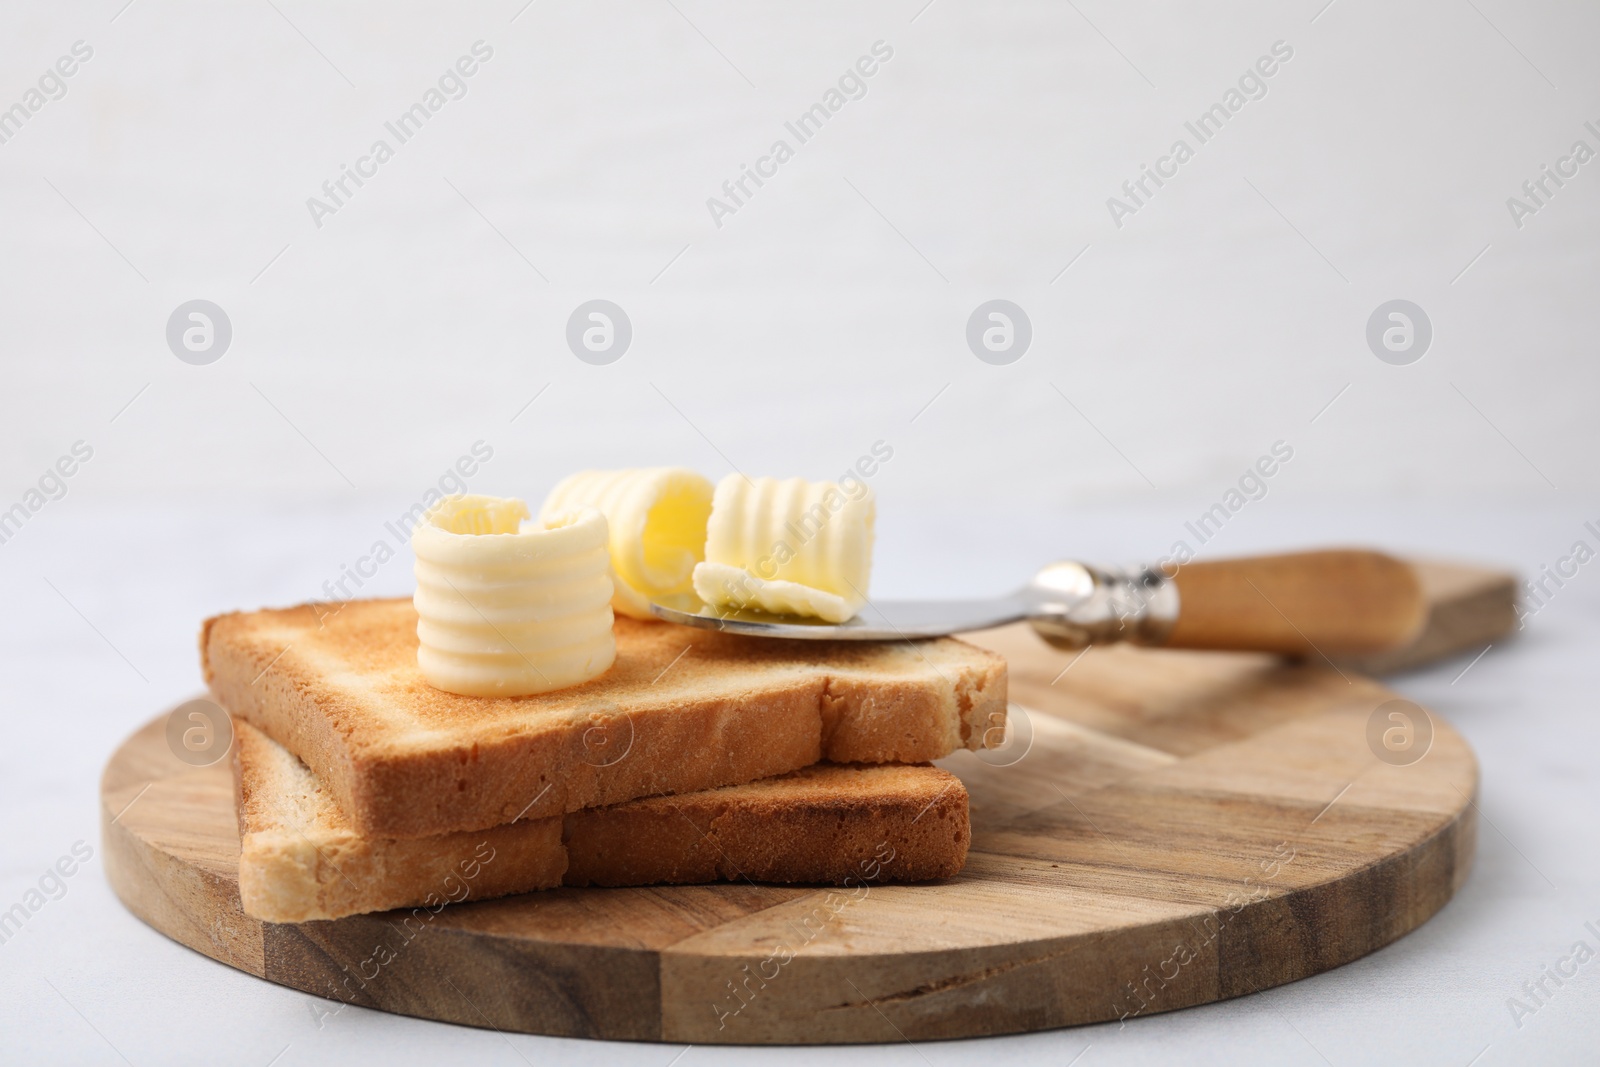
(1332, 602)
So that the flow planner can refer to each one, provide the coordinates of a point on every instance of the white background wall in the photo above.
(806, 327)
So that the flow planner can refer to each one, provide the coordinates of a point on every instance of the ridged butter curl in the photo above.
(657, 517)
(789, 547)
(504, 610)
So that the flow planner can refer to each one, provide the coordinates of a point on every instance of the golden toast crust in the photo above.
(681, 711)
(852, 825)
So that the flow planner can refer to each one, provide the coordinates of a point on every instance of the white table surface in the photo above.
(87, 982)
(1169, 353)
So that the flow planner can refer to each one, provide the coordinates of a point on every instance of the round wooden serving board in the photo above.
(1164, 829)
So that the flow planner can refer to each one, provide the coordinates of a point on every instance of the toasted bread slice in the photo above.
(853, 825)
(301, 859)
(681, 710)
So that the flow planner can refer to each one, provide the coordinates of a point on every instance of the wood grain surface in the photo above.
(1161, 829)
(1469, 608)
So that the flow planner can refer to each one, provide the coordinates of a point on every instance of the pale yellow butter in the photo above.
(657, 518)
(509, 610)
(788, 547)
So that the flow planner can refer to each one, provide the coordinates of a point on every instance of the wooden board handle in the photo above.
(1333, 602)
